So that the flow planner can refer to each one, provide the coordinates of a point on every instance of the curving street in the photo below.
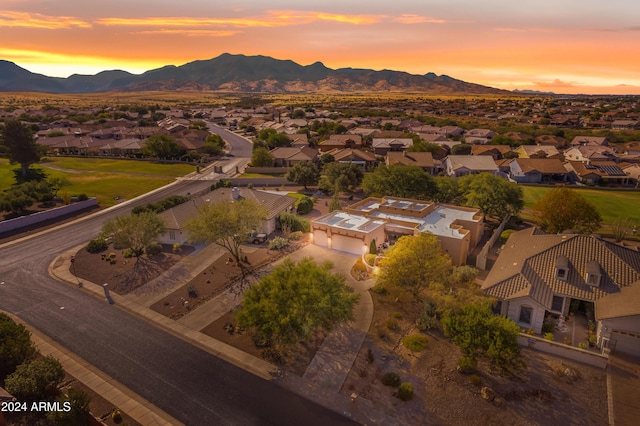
(190, 384)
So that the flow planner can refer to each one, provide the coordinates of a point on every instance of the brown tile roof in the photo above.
(421, 159)
(526, 267)
(542, 165)
(623, 304)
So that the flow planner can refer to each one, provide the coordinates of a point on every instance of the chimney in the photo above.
(235, 193)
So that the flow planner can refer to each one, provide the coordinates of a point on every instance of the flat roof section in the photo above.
(355, 222)
(440, 220)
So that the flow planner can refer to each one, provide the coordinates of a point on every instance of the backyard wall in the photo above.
(559, 349)
(481, 260)
(32, 219)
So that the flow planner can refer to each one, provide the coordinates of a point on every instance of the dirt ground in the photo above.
(124, 275)
(540, 395)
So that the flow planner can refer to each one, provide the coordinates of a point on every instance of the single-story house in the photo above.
(288, 156)
(625, 124)
(537, 170)
(363, 158)
(598, 171)
(424, 160)
(538, 151)
(381, 146)
(539, 274)
(386, 219)
(588, 153)
(618, 317)
(176, 217)
(341, 142)
(479, 136)
(461, 165)
(497, 152)
(589, 141)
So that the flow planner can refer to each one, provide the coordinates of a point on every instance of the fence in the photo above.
(32, 219)
(481, 260)
(566, 351)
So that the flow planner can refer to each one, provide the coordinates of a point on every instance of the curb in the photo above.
(111, 390)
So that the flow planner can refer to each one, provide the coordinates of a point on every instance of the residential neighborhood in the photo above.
(329, 249)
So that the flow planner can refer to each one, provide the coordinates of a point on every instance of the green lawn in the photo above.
(120, 166)
(104, 179)
(610, 204)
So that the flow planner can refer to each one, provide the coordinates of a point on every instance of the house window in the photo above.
(172, 235)
(556, 304)
(562, 274)
(593, 279)
(526, 312)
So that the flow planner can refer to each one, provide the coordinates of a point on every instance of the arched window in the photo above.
(526, 314)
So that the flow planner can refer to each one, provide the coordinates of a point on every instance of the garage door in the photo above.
(320, 238)
(625, 343)
(350, 245)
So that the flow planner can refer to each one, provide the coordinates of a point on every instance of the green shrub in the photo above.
(392, 324)
(372, 247)
(272, 355)
(405, 391)
(295, 222)
(278, 243)
(370, 259)
(582, 345)
(295, 236)
(379, 289)
(112, 255)
(504, 236)
(415, 342)
(127, 254)
(397, 315)
(176, 248)
(305, 205)
(116, 416)
(466, 364)
(97, 245)
(549, 336)
(153, 249)
(391, 379)
(82, 197)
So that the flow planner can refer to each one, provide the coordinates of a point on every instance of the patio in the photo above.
(572, 331)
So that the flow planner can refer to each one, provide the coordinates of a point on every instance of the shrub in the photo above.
(475, 380)
(547, 327)
(370, 259)
(466, 364)
(504, 236)
(370, 356)
(372, 247)
(391, 379)
(112, 255)
(272, 355)
(396, 315)
(379, 289)
(36, 379)
(296, 223)
(582, 345)
(153, 249)
(176, 248)
(549, 336)
(97, 245)
(567, 341)
(392, 324)
(116, 416)
(127, 254)
(415, 342)
(82, 197)
(295, 236)
(305, 205)
(278, 243)
(405, 391)
(250, 186)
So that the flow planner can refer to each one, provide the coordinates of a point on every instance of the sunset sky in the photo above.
(564, 46)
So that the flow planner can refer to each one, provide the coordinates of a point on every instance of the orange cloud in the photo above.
(556, 83)
(417, 19)
(191, 33)
(37, 20)
(271, 19)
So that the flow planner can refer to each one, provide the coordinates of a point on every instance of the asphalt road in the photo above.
(188, 383)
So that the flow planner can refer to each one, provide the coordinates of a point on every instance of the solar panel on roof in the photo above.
(612, 170)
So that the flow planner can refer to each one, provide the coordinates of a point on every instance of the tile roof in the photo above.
(527, 267)
(542, 165)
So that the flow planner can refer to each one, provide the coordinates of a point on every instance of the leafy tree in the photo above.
(399, 181)
(303, 173)
(461, 149)
(57, 183)
(16, 200)
(20, 145)
(493, 195)
(335, 203)
(414, 263)
(227, 224)
(79, 413)
(448, 191)
(563, 208)
(481, 334)
(292, 302)
(198, 125)
(135, 231)
(327, 158)
(273, 139)
(213, 144)
(16, 346)
(341, 177)
(35, 380)
(261, 157)
(305, 205)
(161, 146)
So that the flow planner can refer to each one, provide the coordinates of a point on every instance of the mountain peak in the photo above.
(240, 73)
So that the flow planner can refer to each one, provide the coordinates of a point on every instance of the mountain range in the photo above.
(239, 73)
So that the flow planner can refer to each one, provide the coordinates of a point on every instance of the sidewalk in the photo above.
(323, 380)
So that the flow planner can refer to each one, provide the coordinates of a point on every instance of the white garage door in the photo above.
(350, 245)
(626, 343)
(320, 238)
